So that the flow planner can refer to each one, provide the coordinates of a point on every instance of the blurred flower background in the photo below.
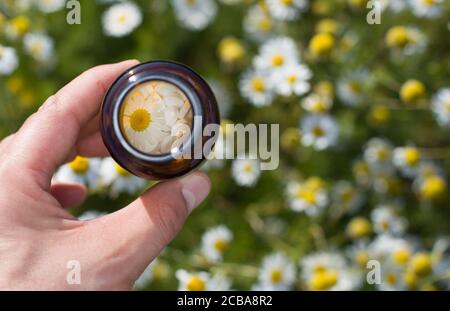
(364, 113)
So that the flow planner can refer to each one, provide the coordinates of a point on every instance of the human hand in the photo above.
(38, 237)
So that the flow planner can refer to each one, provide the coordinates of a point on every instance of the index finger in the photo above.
(48, 136)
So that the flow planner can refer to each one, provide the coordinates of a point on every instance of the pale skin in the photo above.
(38, 236)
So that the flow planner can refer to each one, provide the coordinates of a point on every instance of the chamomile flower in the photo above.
(378, 155)
(395, 6)
(255, 87)
(328, 271)
(287, 9)
(319, 131)
(412, 91)
(121, 19)
(309, 196)
(198, 281)
(276, 53)
(276, 272)
(246, 172)
(50, 6)
(81, 171)
(427, 8)
(386, 220)
(391, 279)
(292, 80)
(40, 46)
(215, 242)
(359, 227)
(195, 14)
(317, 103)
(441, 107)
(118, 179)
(8, 60)
(390, 249)
(410, 40)
(258, 24)
(431, 187)
(351, 89)
(407, 160)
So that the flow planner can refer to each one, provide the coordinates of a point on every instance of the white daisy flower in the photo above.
(121, 19)
(80, 171)
(378, 155)
(91, 215)
(408, 160)
(198, 281)
(309, 196)
(195, 14)
(319, 131)
(316, 103)
(292, 80)
(258, 24)
(387, 248)
(118, 179)
(215, 242)
(287, 9)
(40, 46)
(246, 172)
(8, 60)
(276, 53)
(441, 107)
(409, 40)
(219, 282)
(385, 220)
(255, 87)
(392, 279)
(427, 8)
(328, 271)
(277, 273)
(351, 89)
(393, 5)
(50, 6)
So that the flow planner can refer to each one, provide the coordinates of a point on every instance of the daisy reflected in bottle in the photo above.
(159, 120)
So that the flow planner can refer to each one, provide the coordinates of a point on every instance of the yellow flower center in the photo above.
(382, 154)
(277, 60)
(196, 283)
(292, 79)
(321, 44)
(307, 195)
(230, 50)
(248, 168)
(318, 131)
(20, 24)
(323, 280)
(361, 258)
(327, 26)
(355, 87)
(429, 2)
(410, 280)
(412, 156)
(220, 245)
(397, 37)
(191, 2)
(276, 276)
(258, 85)
(80, 165)
(359, 227)
(140, 120)
(380, 114)
(121, 171)
(401, 256)
(121, 19)
(412, 91)
(433, 187)
(421, 264)
(287, 2)
(391, 278)
(265, 24)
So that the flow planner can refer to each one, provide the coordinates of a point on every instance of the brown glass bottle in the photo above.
(153, 119)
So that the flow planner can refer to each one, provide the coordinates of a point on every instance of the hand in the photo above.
(38, 237)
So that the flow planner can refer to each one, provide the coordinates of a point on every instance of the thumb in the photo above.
(135, 235)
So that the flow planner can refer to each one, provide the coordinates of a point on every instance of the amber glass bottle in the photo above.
(153, 120)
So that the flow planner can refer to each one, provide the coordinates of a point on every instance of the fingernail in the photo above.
(195, 188)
